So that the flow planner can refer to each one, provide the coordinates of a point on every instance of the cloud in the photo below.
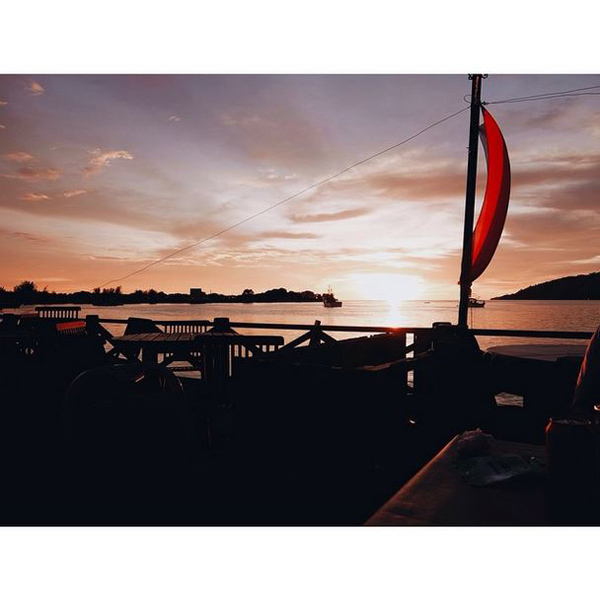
(175, 118)
(32, 173)
(103, 159)
(3, 103)
(334, 216)
(51, 279)
(34, 88)
(31, 237)
(19, 157)
(2, 126)
(73, 193)
(287, 235)
(31, 197)
(279, 136)
(274, 175)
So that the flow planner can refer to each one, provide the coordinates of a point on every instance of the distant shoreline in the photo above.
(575, 287)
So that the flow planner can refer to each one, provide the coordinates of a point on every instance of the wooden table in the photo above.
(153, 344)
(438, 495)
(538, 352)
(210, 352)
(543, 374)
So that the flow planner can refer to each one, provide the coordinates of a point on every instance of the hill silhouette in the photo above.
(575, 287)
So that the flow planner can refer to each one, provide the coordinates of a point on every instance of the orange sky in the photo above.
(100, 175)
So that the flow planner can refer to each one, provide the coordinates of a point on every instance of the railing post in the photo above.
(221, 324)
(315, 334)
(92, 324)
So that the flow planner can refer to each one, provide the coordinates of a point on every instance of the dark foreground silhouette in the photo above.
(321, 434)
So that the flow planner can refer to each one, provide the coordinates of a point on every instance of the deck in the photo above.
(321, 430)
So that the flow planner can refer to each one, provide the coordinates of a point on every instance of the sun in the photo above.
(390, 287)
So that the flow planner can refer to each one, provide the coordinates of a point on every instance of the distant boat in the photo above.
(329, 300)
(476, 303)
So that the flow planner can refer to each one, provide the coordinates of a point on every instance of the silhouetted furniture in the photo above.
(58, 312)
(543, 374)
(438, 495)
(319, 421)
(211, 352)
(184, 327)
(130, 452)
(137, 325)
(63, 350)
(452, 383)
(151, 345)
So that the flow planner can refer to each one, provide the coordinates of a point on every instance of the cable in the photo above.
(550, 95)
(306, 189)
(544, 98)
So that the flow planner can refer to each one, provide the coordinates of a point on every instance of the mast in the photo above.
(467, 254)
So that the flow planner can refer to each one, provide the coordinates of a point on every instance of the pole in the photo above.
(467, 255)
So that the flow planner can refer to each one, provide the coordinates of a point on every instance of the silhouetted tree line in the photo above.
(575, 287)
(27, 292)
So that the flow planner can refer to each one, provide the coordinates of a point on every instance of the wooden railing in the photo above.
(416, 340)
(58, 312)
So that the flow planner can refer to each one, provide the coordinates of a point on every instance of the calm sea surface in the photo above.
(558, 315)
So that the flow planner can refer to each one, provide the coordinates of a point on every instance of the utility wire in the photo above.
(546, 96)
(272, 206)
(543, 98)
(551, 95)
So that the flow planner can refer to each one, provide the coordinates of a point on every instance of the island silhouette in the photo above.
(574, 287)
(27, 292)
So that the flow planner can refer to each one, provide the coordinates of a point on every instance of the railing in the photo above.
(416, 340)
(410, 341)
(58, 312)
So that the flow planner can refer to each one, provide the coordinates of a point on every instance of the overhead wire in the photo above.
(535, 97)
(287, 199)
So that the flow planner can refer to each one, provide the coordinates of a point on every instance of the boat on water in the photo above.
(329, 300)
(372, 415)
(476, 303)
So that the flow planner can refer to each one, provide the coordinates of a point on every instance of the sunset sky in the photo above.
(100, 175)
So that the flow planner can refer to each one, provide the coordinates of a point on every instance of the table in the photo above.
(438, 495)
(539, 352)
(543, 374)
(153, 344)
(210, 352)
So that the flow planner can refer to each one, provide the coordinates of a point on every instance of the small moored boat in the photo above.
(329, 300)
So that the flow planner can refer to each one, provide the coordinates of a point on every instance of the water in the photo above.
(557, 315)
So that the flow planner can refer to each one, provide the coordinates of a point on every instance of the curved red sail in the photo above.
(495, 202)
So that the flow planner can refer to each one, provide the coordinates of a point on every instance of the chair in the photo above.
(130, 453)
(137, 325)
(63, 350)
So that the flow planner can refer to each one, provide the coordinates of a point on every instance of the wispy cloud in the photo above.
(31, 173)
(73, 193)
(2, 126)
(51, 279)
(103, 159)
(31, 197)
(35, 88)
(3, 103)
(19, 157)
(174, 118)
(287, 235)
(334, 216)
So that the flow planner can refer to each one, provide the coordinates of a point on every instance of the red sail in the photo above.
(495, 202)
